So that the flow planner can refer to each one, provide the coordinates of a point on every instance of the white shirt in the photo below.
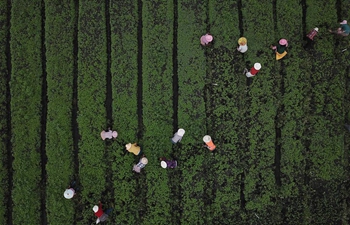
(242, 48)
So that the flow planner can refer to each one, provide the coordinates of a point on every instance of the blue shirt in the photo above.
(345, 28)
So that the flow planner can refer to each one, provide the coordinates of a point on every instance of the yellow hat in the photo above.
(242, 40)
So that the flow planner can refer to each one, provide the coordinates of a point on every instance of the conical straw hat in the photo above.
(181, 132)
(163, 164)
(242, 40)
(206, 138)
(69, 193)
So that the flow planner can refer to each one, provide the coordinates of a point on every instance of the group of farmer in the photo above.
(280, 49)
(143, 161)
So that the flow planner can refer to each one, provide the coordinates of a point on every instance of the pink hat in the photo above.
(283, 42)
(208, 37)
(115, 134)
(344, 22)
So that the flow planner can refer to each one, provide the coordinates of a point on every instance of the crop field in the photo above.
(72, 68)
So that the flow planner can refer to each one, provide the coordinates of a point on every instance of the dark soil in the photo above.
(274, 10)
(109, 192)
(75, 127)
(240, 18)
(175, 69)
(9, 157)
(44, 99)
(139, 81)
(278, 126)
(175, 175)
(108, 72)
(303, 19)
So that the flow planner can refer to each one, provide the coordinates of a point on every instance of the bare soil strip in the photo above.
(139, 74)
(75, 128)
(9, 157)
(43, 119)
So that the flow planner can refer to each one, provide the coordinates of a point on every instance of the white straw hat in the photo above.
(69, 193)
(115, 134)
(144, 160)
(163, 164)
(95, 208)
(206, 138)
(128, 146)
(181, 132)
(257, 66)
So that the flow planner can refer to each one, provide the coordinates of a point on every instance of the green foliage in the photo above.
(91, 117)
(26, 81)
(124, 70)
(157, 105)
(59, 150)
(280, 155)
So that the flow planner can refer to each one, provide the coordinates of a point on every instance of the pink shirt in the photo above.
(107, 134)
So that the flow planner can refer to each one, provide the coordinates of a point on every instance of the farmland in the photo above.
(70, 69)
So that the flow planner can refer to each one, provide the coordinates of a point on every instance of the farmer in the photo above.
(312, 33)
(280, 49)
(101, 216)
(109, 134)
(178, 136)
(166, 163)
(206, 39)
(70, 191)
(242, 45)
(343, 30)
(209, 144)
(134, 148)
(141, 164)
(253, 71)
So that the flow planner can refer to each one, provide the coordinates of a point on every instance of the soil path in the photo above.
(9, 157)
(139, 74)
(75, 128)
(44, 99)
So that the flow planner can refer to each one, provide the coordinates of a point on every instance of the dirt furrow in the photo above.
(108, 104)
(175, 176)
(240, 18)
(278, 126)
(9, 157)
(75, 109)
(43, 155)
(108, 74)
(139, 74)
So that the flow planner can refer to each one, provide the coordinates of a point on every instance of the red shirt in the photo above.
(253, 71)
(99, 212)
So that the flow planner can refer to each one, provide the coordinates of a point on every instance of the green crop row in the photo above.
(191, 110)
(3, 113)
(26, 81)
(157, 66)
(292, 118)
(326, 151)
(59, 28)
(91, 119)
(124, 69)
(260, 183)
(226, 104)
